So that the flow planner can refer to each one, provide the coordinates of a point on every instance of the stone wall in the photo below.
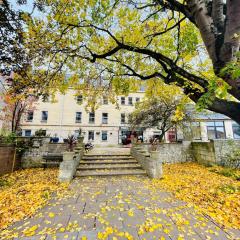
(34, 155)
(214, 151)
(7, 158)
(204, 152)
(173, 152)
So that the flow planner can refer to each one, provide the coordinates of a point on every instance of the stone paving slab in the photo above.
(115, 208)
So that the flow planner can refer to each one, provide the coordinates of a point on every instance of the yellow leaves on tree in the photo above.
(25, 191)
(207, 190)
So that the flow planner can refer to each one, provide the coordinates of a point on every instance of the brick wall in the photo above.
(6, 159)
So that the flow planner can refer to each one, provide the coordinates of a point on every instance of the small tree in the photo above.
(158, 112)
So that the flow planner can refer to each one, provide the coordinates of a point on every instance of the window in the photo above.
(30, 116)
(105, 100)
(79, 99)
(236, 130)
(123, 118)
(104, 136)
(91, 117)
(142, 88)
(105, 118)
(78, 117)
(91, 135)
(45, 98)
(123, 100)
(137, 99)
(196, 130)
(28, 133)
(216, 130)
(44, 116)
(130, 101)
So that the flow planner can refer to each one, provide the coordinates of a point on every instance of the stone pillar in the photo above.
(68, 167)
(155, 165)
(203, 128)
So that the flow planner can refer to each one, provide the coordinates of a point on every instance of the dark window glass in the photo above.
(78, 117)
(236, 130)
(104, 136)
(123, 100)
(105, 100)
(105, 118)
(44, 116)
(45, 98)
(216, 130)
(123, 118)
(91, 117)
(137, 99)
(79, 99)
(130, 101)
(91, 135)
(30, 116)
(28, 133)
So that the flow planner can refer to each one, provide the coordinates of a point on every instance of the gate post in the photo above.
(155, 165)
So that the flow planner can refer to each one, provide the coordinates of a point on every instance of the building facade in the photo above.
(108, 124)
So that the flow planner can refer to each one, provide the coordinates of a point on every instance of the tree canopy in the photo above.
(112, 44)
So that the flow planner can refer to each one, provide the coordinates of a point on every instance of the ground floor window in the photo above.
(104, 136)
(28, 133)
(91, 135)
(236, 130)
(172, 135)
(216, 130)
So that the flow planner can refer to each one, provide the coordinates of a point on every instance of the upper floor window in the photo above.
(44, 116)
(236, 130)
(105, 100)
(130, 101)
(45, 98)
(123, 118)
(79, 99)
(105, 118)
(216, 130)
(137, 99)
(91, 117)
(122, 100)
(30, 116)
(78, 117)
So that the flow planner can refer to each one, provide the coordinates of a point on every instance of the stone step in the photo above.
(108, 155)
(88, 173)
(108, 166)
(108, 161)
(106, 158)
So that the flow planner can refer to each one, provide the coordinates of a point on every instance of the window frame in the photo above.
(234, 126)
(105, 100)
(105, 119)
(76, 117)
(44, 120)
(91, 119)
(79, 101)
(123, 115)
(91, 131)
(214, 128)
(130, 103)
(123, 101)
(105, 132)
(27, 130)
(30, 119)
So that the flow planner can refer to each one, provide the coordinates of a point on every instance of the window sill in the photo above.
(43, 121)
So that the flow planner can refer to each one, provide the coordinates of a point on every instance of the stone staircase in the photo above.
(108, 165)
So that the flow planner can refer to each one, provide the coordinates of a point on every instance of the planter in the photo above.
(68, 156)
(80, 139)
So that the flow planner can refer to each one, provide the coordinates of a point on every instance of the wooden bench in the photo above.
(52, 159)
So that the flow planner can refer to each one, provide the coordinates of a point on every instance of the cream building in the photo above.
(108, 124)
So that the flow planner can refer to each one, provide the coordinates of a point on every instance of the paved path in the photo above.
(118, 208)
